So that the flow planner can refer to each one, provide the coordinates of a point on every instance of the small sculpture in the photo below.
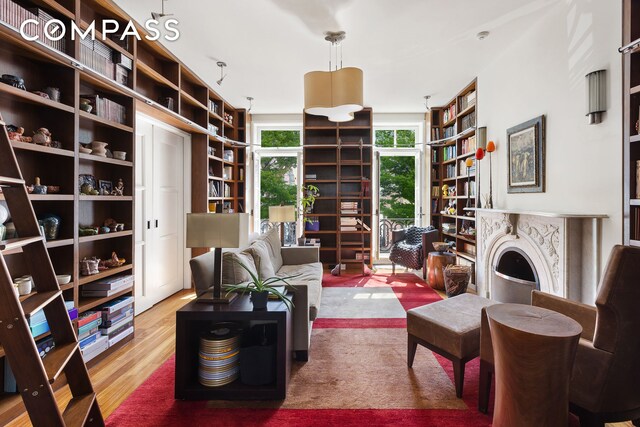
(14, 81)
(42, 137)
(38, 188)
(113, 262)
(18, 134)
(445, 190)
(119, 190)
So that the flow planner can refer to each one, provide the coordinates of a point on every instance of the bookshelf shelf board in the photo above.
(54, 5)
(465, 255)
(635, 138)
(31, 98)
(104, 236)
(321, 164)
(192, 101)
(228, 125)
(323, 180)
(50, 197)
(334, 127)
(634, 90)
(354, 127)
(59, 243)
(104, 122)
(100, 159)
(86, 303)
(155, 76)
(465, 155)
(460, 237)
(319, 146)
(470, 109)
(448, 162)
(450, 122)
(465, 177)
(215, 116)
(634, 202)
(449, 179)
(41, 149)
(215, 178)
(217, 159)
(319, 214)
(320, 232)
(84, 198)
(450, 234)
(328, 249)
(355, 231)
(107, 273)
(449, 216)
(466, 133)
(634, 243)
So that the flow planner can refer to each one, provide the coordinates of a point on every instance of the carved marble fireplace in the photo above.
(563, 248)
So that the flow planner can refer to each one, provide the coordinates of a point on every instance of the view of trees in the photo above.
(278, 180)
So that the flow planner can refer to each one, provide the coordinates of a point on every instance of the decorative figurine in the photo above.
(119, 190)
(51, 224)
(39, 189)
(42, 137)
(17, 134)
(445, 190)
(14, 81)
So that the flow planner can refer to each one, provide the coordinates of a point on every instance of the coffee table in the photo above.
(195, 318)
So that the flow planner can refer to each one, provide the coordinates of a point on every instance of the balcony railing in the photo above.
(387, 225)
(289, 230)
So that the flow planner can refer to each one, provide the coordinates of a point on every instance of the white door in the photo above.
(160, 211)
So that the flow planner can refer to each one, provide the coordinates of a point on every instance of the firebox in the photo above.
(514, 277)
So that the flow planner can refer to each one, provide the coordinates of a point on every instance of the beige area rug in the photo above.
(363, 369)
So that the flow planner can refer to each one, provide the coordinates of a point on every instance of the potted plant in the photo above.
(311, 223)
(260, 289)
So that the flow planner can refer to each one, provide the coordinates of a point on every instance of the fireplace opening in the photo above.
(514, 277)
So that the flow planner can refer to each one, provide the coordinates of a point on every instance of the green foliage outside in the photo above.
(275, 190)
(397, 175)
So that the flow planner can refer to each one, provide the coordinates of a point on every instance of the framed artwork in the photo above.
(526, 151)
(106, 187)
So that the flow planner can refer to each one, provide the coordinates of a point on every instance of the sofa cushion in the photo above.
(309, 275)
(272, 238)
(232, 271)
(261, 256)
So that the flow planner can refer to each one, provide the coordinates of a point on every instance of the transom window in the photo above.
(396, 138)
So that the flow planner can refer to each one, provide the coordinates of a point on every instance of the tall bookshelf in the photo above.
(148, 79)
(452, 142)
(631, 118)
(338, 160)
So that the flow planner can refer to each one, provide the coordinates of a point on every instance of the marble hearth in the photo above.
(565, 249)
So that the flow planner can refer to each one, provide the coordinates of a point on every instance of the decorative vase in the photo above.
(259, 300)
(54, 93)
(51, 224)
(314, 225)
(39, 189)
(24, 286)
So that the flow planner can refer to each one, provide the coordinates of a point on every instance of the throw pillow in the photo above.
(261, 256)
(232, 272)
(272, 238)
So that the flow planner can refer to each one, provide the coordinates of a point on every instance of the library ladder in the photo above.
(34, 375)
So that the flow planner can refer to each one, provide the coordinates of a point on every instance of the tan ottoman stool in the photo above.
(451, 328)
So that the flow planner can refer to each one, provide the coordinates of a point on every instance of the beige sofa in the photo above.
(265, 256)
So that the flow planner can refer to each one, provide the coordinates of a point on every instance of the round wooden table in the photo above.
(435, 263)
(534, 349)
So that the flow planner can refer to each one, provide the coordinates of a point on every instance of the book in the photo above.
(109, 283)
(88, 340)
(92, 350)
(108, 293)
(116, 304)
(120, 336)
(88, 317)
(117, 327)
(89, 326)
(115, 319)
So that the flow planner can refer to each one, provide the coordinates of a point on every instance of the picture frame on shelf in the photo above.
(526, 157)
(106, 187)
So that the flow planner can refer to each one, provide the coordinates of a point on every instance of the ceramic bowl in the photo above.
(120, 155)
(85, 150)
(98, 145)
(440, 246)
(63, 279)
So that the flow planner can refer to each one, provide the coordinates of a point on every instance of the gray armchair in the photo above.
(410, 247)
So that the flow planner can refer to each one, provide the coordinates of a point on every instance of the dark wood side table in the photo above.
(534, 349)
(195, 318)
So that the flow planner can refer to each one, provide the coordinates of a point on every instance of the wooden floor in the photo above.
(119, 374)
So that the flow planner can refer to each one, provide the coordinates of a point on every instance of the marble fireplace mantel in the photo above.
(564, 248)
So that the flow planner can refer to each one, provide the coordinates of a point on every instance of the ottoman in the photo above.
(451, 328)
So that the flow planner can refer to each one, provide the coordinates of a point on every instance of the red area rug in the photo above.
(152, 404)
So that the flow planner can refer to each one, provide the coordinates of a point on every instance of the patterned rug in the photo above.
(357, 373)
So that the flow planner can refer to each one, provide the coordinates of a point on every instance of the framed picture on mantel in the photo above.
(526, 151)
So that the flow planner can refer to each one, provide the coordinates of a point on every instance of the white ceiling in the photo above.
(406, 48)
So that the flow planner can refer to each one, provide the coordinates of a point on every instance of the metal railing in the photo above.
(387, 225)
(289, 230)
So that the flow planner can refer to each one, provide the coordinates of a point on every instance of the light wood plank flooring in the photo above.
(120, 373)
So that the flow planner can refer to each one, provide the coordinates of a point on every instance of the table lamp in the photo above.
(282, 214)
(217, 230)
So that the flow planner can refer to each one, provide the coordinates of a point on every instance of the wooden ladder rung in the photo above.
(38, 301)
(57, 359)
(78, 409)
(6, 181)
(2, 123)
(11, 244)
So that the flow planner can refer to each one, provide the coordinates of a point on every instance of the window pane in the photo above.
(397, 187)
(278, 184)
(384, 138)
(406, 138)
(280, 138)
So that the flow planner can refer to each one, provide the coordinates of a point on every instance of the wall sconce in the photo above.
(596, 96)
(481, 139)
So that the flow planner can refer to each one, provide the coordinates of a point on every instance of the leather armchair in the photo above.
(606, 373)
(410, 247)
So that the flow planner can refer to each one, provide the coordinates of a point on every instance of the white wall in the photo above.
(543, 73)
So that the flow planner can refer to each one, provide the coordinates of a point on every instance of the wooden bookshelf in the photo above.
(340, 156)
(452, 142)
(631, 115)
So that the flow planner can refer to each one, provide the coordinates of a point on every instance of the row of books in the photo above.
(465, 188)
(434, 206)
(110, 63)
(38, 322)
(310, 176)
(349, 223)
(468, 121)
(434, 173)
(434, 155)
(348, 207)
(450, 171)
(227, 190)
(108, 286)
(462, 168)
(448, 153)
(106, 326)
(448, 113)
(227, 172)
(468, 145)
(14, 15)
(228, 155)
(214, 188)
(449, 131)
(213, 106)
(106, 108)
(467, 100)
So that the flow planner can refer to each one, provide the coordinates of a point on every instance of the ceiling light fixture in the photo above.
(222, 76)
(157, 16)
(250, 99)
(426, 102)
(482, 35)
(337, 93)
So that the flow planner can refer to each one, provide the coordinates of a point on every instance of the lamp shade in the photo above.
(482, 138)
(282, 213)
(335, 94)
(596, 96)
(217, 230)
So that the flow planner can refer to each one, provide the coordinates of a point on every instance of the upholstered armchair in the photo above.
(606, 373)
(410, 246)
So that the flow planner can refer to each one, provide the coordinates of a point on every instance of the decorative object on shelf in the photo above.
(14, 81)
(445, 190)
(596, 96)
(105, 230)
(219, 355)
(167, 102)
(53, 189)
(85, 105)
(119, 188)
(41, 94)
(88, 185)
(106, 187)
(25, 285)
(84, 150)
(51, 224)
(38, 188)
(120, 155)
(53, 93)
(469, 164)
(63, 279)
(42, 137)
(337, 93)
(98, 148)
(113, 262)
(526, 157)
(215, 230)
(89, 266)
(16, 133)
(260, 289)
(4, 217)
(441, 246)
(479, 157)
(456, 279)
(88, 231)
(491, 147)
(281, 215)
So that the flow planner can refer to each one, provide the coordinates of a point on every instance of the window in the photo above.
(279, 138)
(396, 138)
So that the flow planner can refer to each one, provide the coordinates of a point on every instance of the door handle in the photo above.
(156, 223)
(148, 225)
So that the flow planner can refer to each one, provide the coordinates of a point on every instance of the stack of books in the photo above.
(108, 286)
(38, 322)
(348, 207)
(117, 319)
(348, 223)
(310, 176)
(89, 336)
(106, 108)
